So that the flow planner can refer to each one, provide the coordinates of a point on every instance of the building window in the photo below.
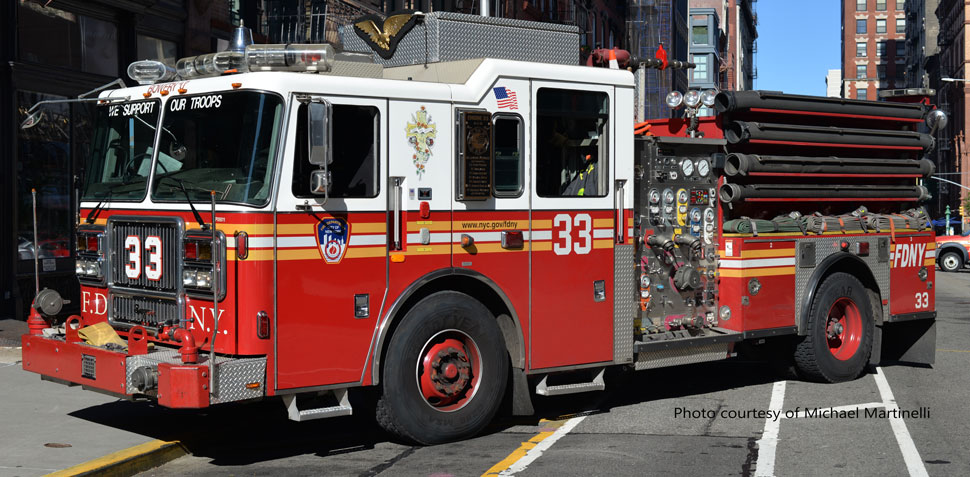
(700, 71)
(572, 146)
(900, 48)
(507, 171)
(860, 71)
(860, 5)
(900, 5)
(861, 94)
(881, 71)
(151, 48)
(900, 25)
(860, 26)
(860, 49)
(699, 35)
(54, 37)
(881, 26)
(880, 49)
(880, 5)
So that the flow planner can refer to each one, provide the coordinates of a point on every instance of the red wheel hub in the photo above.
(843, 329)
(448, 370)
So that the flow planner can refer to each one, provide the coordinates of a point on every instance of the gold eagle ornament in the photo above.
(383, 40)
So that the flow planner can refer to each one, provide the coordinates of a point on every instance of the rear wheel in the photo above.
(445, 373)
(840, 330)
(951, 262)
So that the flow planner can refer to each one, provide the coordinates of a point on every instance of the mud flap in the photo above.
(521, 400)
(908, 342)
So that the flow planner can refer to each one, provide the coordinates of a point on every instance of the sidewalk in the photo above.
(48, 426)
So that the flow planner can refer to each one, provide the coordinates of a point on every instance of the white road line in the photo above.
(914, 463)
(829, 410)
(541, 447)
(769, 438)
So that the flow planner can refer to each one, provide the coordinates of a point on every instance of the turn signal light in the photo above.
(262, 325)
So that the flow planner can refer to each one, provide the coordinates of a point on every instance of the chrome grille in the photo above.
(168, 232)
(145, 311)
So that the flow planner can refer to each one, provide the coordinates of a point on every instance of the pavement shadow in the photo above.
(239, 433)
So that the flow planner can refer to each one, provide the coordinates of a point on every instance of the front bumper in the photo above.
(172, 383)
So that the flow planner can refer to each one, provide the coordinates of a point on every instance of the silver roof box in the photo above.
(447, 36)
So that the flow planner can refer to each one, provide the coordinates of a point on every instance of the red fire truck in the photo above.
(469, 214)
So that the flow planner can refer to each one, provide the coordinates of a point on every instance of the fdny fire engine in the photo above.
(466, 215)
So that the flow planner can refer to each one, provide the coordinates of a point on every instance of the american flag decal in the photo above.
(505, 98)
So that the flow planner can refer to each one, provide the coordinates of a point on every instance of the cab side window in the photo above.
(355, 170)
(508, 168)
(571, 143)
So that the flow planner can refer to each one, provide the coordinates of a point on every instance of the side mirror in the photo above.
(319, 113)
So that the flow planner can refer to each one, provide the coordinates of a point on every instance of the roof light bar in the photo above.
(150, 71)
(315, 58)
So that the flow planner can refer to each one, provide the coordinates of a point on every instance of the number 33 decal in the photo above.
(153, 270)
(563, 224)
(922, 300)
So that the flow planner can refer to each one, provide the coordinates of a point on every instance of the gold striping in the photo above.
(441, 225)
(488, 248)
(298, 254)
(368, 227)
(601, 223)
(603, 243)
(756, 272)
(541, 224)
(366, 252)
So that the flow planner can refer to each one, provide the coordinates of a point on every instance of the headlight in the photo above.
(692, 98)
(188, 278)
(724, 313)
(94, 269)
(674, 99)
(203, 279)
(79, 267)
(707, 97)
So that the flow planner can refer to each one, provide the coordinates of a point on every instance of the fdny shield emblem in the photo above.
(332, 236)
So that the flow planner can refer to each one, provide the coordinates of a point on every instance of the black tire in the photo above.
(950, 261)
(436, 323)
(841, 299)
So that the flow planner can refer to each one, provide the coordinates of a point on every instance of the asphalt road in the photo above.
(705, 419)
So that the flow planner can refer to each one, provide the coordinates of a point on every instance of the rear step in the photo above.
(342, 408)
(597, 384)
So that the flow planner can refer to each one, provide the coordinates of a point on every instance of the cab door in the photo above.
(331, 255)
(572, 225)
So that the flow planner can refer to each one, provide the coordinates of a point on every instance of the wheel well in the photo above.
(947, 248)
(476, 288)
(851, 265)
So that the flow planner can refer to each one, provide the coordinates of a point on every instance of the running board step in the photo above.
(597, 384)
(342, 408)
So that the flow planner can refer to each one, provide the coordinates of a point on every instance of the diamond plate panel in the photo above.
(823, 250)
(684, 355)
(234, 373)
(233, 376)
(624, 302)
(447, 36)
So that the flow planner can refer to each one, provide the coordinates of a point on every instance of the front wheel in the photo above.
(951, 262)
(445, 372)
(840, 330)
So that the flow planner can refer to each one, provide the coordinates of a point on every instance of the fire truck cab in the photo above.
(449, 228)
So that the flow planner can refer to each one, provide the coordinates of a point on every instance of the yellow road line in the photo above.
(129, 461)
(526, 446)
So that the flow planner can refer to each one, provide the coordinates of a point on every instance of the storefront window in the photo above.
(151, 48)
(55, 37)
(44, 164)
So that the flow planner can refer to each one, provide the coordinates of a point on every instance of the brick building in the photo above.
(873, 47)
(738, 20)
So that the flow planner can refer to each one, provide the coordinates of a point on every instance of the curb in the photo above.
(129, 461)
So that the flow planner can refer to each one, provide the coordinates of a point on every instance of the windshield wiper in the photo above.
(93, 215)
(198, 217)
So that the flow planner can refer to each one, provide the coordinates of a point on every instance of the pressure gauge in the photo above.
(703, 167)
(695, 215)
(654, 196)
(668, 196)
(682, 196)
(645, 281)
(687, 166)
(709, 215)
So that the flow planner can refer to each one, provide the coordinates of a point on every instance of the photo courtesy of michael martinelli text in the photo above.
(843, 412)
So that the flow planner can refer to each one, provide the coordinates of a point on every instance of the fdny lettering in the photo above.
(156, 88)
(200, 314)
(129, 109)
(94, 303)
(909, 255)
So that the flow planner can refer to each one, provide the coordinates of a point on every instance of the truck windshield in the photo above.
(121, 153)
(222, 142)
